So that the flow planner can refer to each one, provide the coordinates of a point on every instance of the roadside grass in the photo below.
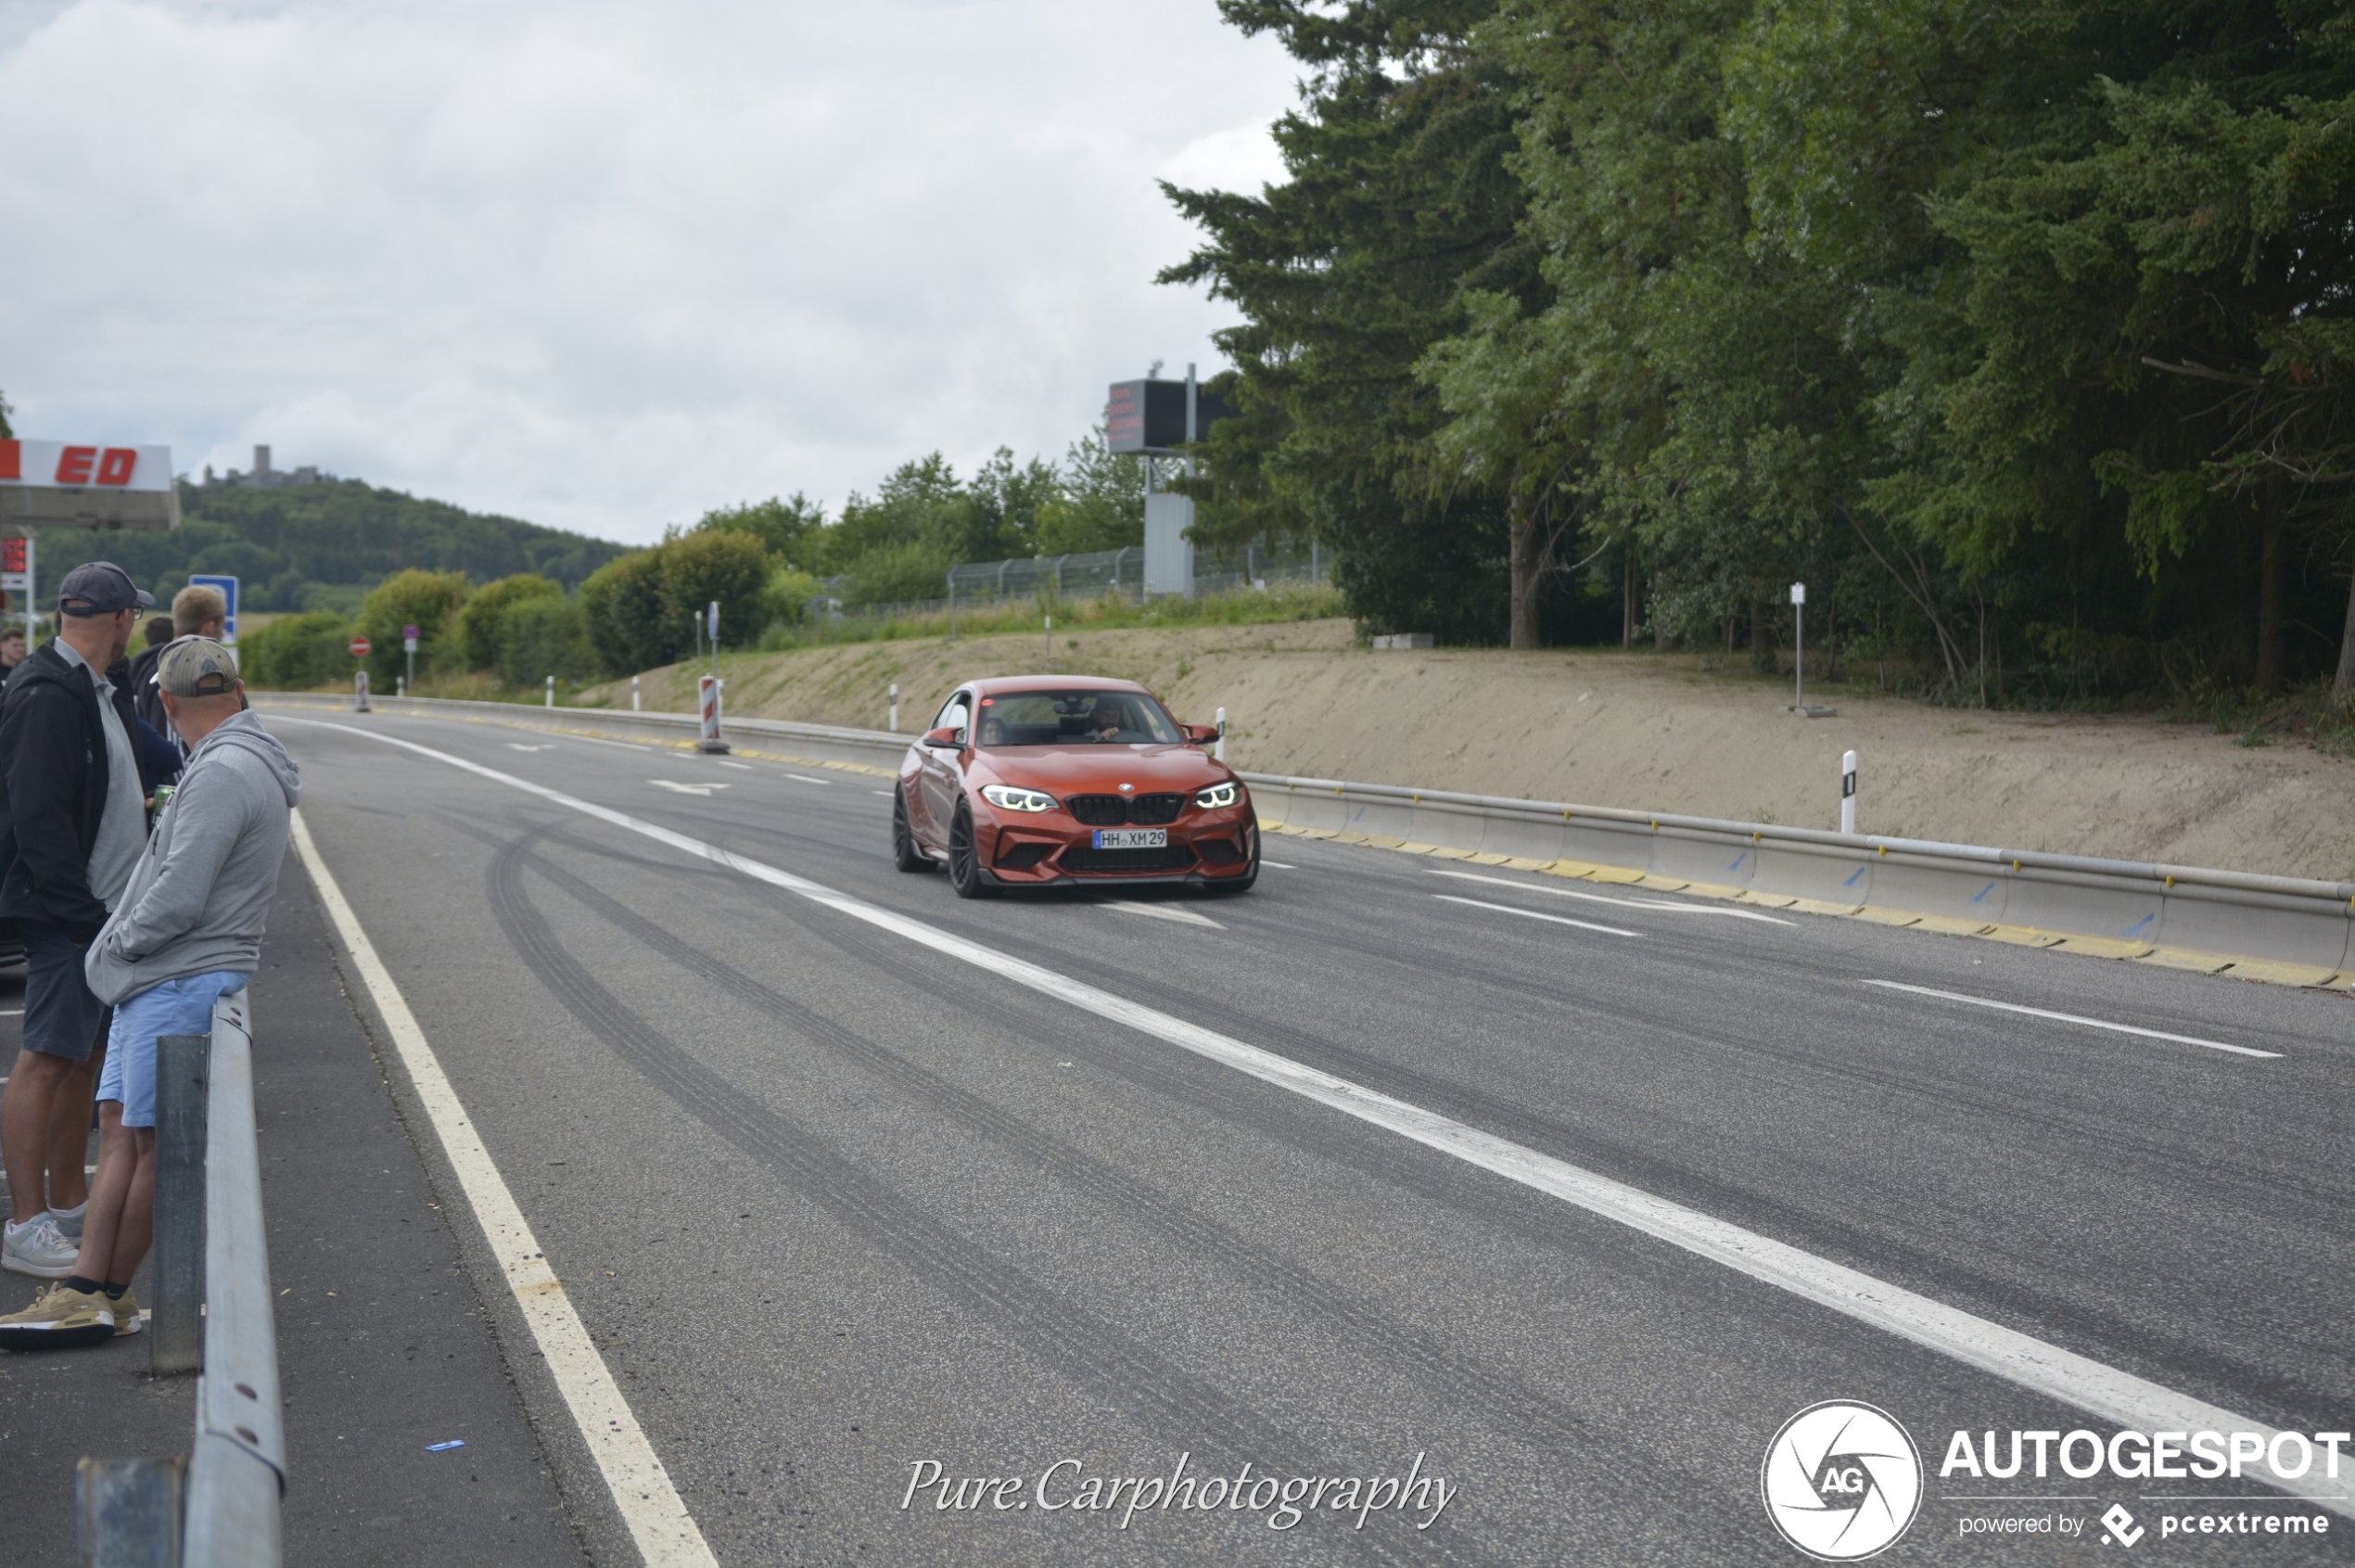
(1279, 601)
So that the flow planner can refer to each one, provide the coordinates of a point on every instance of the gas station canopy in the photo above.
(86, 484)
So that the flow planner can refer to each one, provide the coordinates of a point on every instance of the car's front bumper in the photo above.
(1049, 850)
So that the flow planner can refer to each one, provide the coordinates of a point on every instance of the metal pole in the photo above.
(174, 1334)
(1847, 792)
(715, 639)
(411, 655)
(952, 604)
(1799, 656)
(1051, 638)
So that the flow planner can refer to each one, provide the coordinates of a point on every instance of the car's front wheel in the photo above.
(965, 858)
(904, 853)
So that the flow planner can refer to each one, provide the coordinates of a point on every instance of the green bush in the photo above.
(430, 602)
(297, 653)
(481, 625)
(729, 567)
(622, 603)
(543, 636)
(642, 609)
(893, 574)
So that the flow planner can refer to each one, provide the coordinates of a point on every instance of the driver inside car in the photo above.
(1107, 721)
(993, 732)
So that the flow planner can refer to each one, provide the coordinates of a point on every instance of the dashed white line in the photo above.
(1278, 865)
(666, 1533)
(821, 783)
(744, 767)
(675, 786)
(1533, 914)
(2105, 1391)
(2074, 1018)
(882, 792)
(1665, 904)
(1158, 912)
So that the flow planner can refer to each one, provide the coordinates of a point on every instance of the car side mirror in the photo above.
(945, 739)
(1201, 734)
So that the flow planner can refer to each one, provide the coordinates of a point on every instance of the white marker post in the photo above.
(894, 708)
(1050, 640)
(715, 639)
(708, 737)
(1219, 747)
(360, 690)
(552, 691)
(1847, 792)
(400, 685)
(1799, 648)
(633, 693)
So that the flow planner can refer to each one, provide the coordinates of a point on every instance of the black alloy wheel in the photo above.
(904, 853)
(965, 858)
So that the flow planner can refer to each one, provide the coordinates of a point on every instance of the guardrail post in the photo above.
(182, 1073)
(127, 1513)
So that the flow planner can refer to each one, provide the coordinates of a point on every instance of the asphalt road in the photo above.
(835, 1204)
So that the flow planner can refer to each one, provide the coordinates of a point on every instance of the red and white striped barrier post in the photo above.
(708, 738)
(360, 690)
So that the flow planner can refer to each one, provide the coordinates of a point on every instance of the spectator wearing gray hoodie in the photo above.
(187, 932)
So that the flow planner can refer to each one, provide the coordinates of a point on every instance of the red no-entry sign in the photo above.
(360, 648)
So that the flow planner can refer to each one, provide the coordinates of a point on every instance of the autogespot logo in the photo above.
(1842, 1481)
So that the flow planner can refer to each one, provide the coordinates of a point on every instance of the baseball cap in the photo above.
(196, 667)
(101, 588)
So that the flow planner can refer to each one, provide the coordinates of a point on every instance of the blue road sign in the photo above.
(228, 587)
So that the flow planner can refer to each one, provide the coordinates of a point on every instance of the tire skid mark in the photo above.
(1059, 1335)
(1420, 1356)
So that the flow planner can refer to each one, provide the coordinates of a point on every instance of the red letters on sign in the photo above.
(74, 463)
(11, 461)
(114, 469)
(12, 555)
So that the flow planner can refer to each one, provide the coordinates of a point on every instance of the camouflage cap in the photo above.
(196, 667)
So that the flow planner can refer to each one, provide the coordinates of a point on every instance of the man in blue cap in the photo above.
(72, 824)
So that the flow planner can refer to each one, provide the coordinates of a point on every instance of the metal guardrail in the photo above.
(218, 1508)
(2120, 908)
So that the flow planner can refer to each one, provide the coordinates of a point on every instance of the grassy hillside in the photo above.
(323, 546)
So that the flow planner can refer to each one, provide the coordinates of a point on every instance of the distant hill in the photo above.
(323, 547)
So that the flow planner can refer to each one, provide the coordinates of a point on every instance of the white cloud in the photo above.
(606, 265)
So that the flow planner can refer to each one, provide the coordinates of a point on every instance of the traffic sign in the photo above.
(360, 648)
(409, 638)
(227, 588)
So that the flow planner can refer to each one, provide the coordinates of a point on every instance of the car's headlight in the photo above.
(1218, 794)
(1015, 798)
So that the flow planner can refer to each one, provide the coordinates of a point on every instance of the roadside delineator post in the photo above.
(1218, 748)
(360, 692)
(552, 691)
(708, 737)
(633, 693)
(894, 708)
(1847, 792)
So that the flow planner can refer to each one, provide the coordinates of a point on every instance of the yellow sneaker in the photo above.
(60, 1318)
(126, 1314)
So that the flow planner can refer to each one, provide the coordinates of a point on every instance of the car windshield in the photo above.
(1076, 718)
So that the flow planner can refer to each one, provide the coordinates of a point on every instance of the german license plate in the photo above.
(1132, 838)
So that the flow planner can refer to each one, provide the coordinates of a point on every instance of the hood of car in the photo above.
(1101, 770)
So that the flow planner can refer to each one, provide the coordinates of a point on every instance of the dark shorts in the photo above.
(62, 1018)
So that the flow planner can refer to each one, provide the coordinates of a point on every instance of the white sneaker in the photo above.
(68, 1221)
(37, 1247)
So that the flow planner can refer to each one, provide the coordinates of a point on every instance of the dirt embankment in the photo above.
(1637, 730)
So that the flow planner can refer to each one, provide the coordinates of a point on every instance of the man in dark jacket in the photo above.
(72, 825)
(156, 633)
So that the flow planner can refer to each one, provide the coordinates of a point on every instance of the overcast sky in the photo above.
(603, 265)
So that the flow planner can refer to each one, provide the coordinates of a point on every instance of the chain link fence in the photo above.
(1054, 578)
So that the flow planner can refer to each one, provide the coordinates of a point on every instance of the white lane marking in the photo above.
(2101, 1390)
(2074, 1018)
(744, 767)
(882, 792)
(649, 1505)
(821, 783)
(1158, 912)
(639, 747)
(519, 746)
(1533, 914)
(1278, 865)
(1668, 904)
(704, 789)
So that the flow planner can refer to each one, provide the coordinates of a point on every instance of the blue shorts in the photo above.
(176, 1007)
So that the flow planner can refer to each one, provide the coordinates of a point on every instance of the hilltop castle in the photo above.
(266, 478)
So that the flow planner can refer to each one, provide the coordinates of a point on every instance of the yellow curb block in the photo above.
(1712, 890)
(2280, 973)
(1952, 926)
(1523, 862)
(1488, 858)
(2185, 958)
(1822, 906)
(2105, 947)
(1442, 852)
(2022, 936)
(1880, 916)
(1782, 901)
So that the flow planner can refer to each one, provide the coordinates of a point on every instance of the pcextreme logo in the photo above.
(1842, 1481)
